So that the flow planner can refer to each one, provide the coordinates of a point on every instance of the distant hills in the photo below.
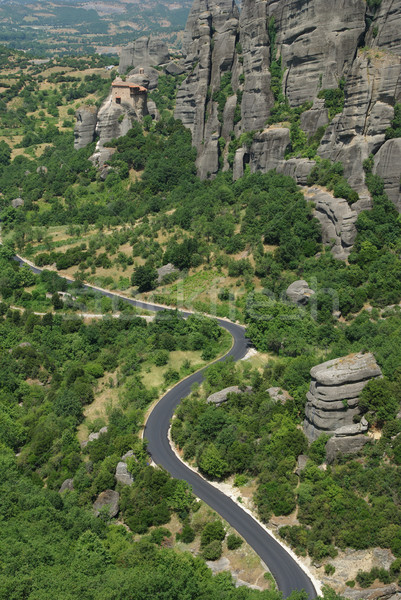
(72, 27)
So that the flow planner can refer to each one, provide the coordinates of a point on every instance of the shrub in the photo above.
(213, 531)
(234, 541)
(212, 551)
(187, 535)
(329, 569)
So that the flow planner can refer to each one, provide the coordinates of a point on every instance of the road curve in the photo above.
(286, 571)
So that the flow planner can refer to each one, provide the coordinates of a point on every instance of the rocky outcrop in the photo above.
(340, 445)
(17, 202)
(107, 500)
(148, 77)
(373, 86)
(299, 292)
(317, 41)
(68, 484)
(383, 592)
(85, 127)
(94, 436)
(315, 117)
(332, 400)
(257, 99)
(277, 394)
(337, 219)
(268, 149)
(122, 473)
(165, 270)
(210, 40)
(387, 166)
(319, 44)
(114, 121)
(220, 397)
(143, 52)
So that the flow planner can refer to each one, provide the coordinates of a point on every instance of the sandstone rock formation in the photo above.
(109, 499)
(332, 400)
(222, 396)
(299, 292)
(319, 44)
(113, 121)
(210, 39)
(337, 219)
(143, 52)
(387, 166)
(146, 76)
(85, 127)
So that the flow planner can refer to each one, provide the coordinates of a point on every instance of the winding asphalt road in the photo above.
(286, 571)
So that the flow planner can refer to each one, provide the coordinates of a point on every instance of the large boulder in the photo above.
(122, 475)
(17, 202)
(337, 219)
(68, 484)
(332, 400)
(299, 292)
(277, 394)
(220, 397)
(344, 445)
(109, 499)
(165, 270)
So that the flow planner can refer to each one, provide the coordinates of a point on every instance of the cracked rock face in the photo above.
(299, 292)
(85, 127)
(144, 52)
(332, 400)
(337, 219)
(317, 41)
(387, 166)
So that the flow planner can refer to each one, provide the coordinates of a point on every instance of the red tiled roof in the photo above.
(133, 86)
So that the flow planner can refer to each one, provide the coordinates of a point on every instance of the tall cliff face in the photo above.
(210, 39)
(291, 51)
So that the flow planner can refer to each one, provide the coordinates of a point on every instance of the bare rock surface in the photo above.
(122, 474)
(277, 394)
(68, 484)
(268, 149)
(332, 400)
(17, 202)
(85, 126)
(299, 292)
(94, 436)
(337, 219)
(108, 498)
(349, 445)
(165, 270)
(143, 52)
(148, 77)
(222, 396)
(388, 167)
